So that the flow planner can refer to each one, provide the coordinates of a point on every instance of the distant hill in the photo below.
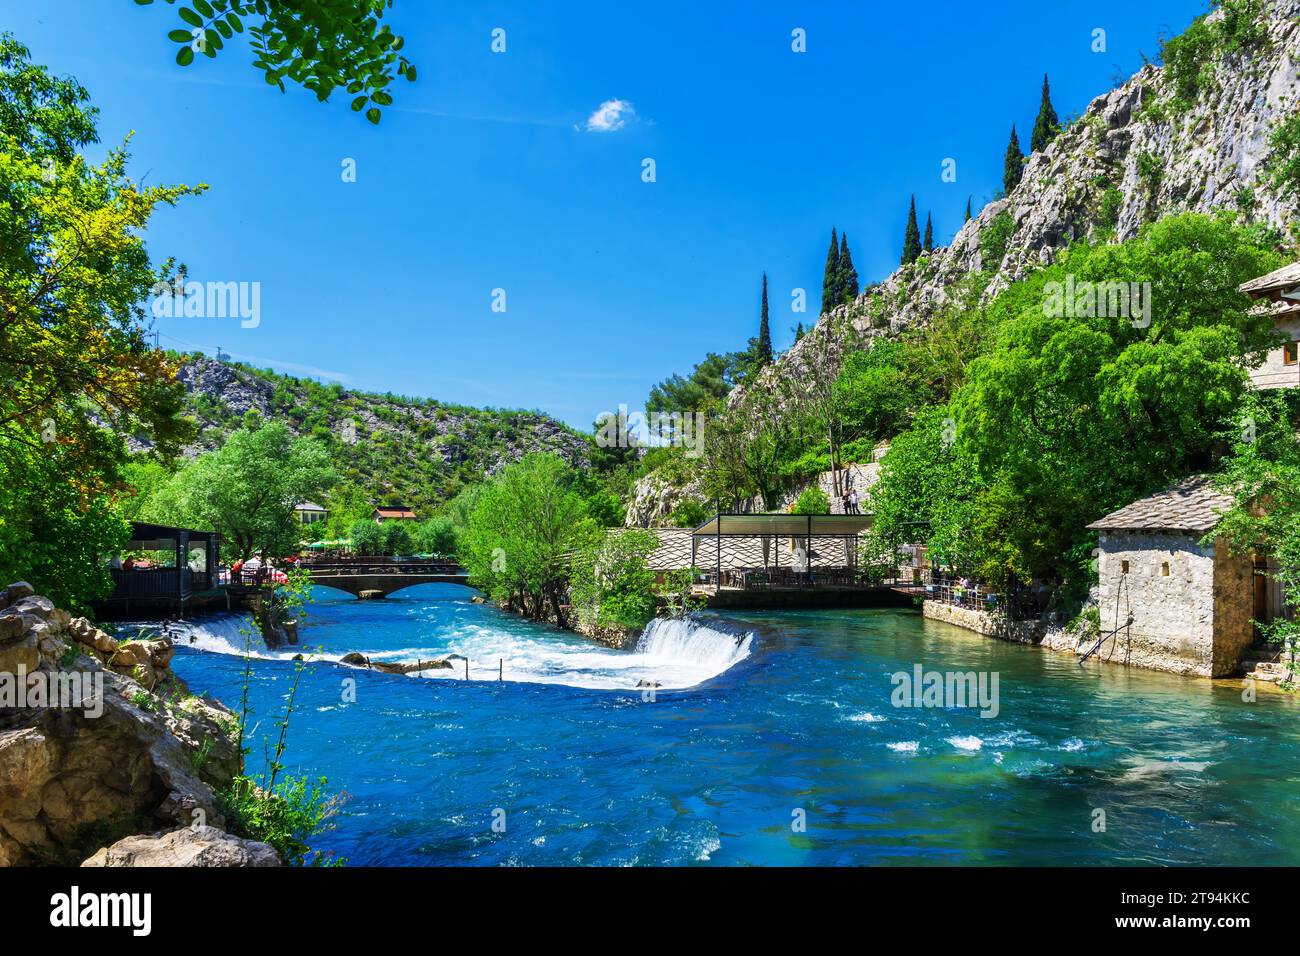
(387, 448)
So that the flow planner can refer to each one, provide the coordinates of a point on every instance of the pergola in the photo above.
(177, 580)
(767, 527)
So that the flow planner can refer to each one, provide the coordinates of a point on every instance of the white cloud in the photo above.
(609, 116)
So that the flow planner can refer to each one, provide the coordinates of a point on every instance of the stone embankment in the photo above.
(99, 741)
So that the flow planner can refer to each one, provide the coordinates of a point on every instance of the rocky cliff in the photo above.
(99, 740)
(417, 451)
(1139, 152)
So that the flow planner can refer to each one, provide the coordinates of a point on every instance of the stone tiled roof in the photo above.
(1285, 278)
(1191, 505)
(674, 551)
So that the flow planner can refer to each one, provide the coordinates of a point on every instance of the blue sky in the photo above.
(483, 174)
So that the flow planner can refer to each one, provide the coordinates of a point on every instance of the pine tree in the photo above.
(927, 244)
(912, 237)
(764, 355)
(1014, 163)
(848, 274)
(968, 209)
(1046, 126)
(798, 332)
(830, 281)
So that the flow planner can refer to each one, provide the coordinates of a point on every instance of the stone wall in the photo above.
(1274, 373)
(990, 625)
(1191, 605)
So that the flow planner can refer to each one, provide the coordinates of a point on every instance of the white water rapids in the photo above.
(671, 654)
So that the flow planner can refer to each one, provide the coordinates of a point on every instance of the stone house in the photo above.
(1171, 602)
(1279, 292)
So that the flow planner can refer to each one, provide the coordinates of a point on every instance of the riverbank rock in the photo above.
(99, 755)
(355, 660)
(188, 846)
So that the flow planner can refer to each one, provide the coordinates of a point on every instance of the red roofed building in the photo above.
(393, 513)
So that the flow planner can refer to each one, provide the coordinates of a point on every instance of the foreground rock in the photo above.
(188, 846)
(98, 739)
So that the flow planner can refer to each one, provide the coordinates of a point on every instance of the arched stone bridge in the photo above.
(384, 579)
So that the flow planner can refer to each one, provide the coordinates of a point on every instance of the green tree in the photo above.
(812, 501)
(968, 216)
(1046, 126)
(320, 45)
(1263, 476)
(848, 274)
(927, 244)
(247, 489)
(764, 351)
(437, 535)
(1013, 164)
(76, 369)
(911, 236)
(1074, 411)
(831, 296)
(526, 525)
(610, 582)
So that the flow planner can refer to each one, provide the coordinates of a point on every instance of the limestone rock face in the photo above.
(188, 846)
(1212, 156)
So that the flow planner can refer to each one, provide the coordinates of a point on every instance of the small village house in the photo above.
(310, 513)
(1279, 292)
(1172, 602)
(392, 513)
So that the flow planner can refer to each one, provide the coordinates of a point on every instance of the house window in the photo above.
(1123, 567)
(1290, 353)
(1164, 569)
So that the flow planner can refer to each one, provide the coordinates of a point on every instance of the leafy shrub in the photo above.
(611, 583)
(995, 238)
(297, 810)
(812, 501)
(1112, 201)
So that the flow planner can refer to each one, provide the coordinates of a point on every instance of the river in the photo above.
(771, 739)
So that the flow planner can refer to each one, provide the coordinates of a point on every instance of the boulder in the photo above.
(17, 591)
(24, 652)
(11, 628)
(34, 604)
(63, 772)
(354, 659)
(188, 846)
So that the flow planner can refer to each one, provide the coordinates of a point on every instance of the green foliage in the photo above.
(435, 536)
(1263, 476)
(247, 489)
(381, 537)
(763, 347)
(76, 370)
(848, 274)
(812, 501)
(1151, 172)
(321, 45)
(526, 524)
(927, 243)
(994, 239)
(610, 583)
(690, 513)
(911, 236)
(1108, 209)
(1283, 162)
(1068, 418)
(1047, 125)
(285, 818)
(831, 294)
(1013, 164)
(1189, 58)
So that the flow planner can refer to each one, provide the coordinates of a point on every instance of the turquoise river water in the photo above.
(771, 739)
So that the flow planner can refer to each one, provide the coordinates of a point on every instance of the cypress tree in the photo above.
(764, 355)
(1045, 127)
(1014, 163)
(911, 237)
(798, 332)
(968, 209)
(831, 280)
(927, 244)
(848, 274)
